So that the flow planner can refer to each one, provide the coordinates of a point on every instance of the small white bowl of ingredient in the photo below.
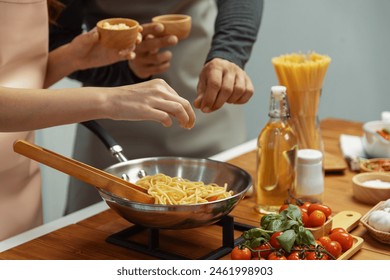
(376, 139)
(371, 187)
(377, 221)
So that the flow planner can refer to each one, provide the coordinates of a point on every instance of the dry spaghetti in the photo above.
(303, 75)
(176, 191)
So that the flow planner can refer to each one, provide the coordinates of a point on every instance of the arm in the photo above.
(223, 79)
(68, 26)
(29, 109)
(83, 52)
(236, 29)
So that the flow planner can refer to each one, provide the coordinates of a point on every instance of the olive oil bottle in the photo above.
(277, 148)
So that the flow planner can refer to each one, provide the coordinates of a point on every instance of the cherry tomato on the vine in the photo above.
(276, 256)
(274, 241)
(316, 256)
(284, 206)
(240, 253)
(323, 208)
(264, 248)
(334, 248)
(305, 218)
(297, 255)
(338, 229)
(305, 206)
(316, 218)
(324, 240)
(344, 238)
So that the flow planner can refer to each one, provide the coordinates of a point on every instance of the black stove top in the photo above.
(152, 246)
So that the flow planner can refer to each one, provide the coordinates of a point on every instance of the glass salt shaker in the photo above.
(310, 176)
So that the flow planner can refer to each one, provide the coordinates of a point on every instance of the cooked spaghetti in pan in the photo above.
(177, 191)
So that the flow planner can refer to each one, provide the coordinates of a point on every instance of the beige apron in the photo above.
(212, 133)
(23, 58)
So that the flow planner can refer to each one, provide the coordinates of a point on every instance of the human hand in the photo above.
(151, 100)
(221, 82)
(149, 60)
(87, 52)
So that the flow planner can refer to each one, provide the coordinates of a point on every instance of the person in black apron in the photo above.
(220, 43)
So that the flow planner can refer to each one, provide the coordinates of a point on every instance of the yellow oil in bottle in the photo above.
(276, 156)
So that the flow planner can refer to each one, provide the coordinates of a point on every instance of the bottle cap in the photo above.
(309, 156)
(277, 91)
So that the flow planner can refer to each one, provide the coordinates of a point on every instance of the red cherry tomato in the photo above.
(265, 250)
(316, 206)
(305, 206)
(297, 255)
(305, 218)
(324, 240)
(334, 248)
(316, 218)
(240, 253)
(276, 256)
(316, 256)
(284, 206)
(274, 241)
(344, 238)
(338, 229)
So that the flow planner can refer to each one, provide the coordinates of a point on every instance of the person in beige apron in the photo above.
(216, 130)
(25, 68)
(18, 62)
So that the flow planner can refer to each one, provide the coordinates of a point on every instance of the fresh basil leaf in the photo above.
(288, 224)
(292, 212)
(304, 236)
(275, 225)
(267, 219)
(287, 239)
(252, 233)
(257, 242)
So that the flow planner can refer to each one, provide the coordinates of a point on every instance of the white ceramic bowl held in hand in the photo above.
(374, 144)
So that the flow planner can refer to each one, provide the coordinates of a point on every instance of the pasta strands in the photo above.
(177, 191)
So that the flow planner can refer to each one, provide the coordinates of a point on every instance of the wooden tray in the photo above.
(349, 220)
(333, 163)
(344, 219)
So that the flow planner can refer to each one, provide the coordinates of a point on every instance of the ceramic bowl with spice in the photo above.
(371, 187)
(376, 139)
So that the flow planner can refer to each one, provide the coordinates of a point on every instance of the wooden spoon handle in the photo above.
(83, 172)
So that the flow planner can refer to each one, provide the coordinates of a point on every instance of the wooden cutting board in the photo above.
(348, 220)
(334, 163)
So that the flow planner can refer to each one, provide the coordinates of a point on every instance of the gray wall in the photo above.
(354, 33)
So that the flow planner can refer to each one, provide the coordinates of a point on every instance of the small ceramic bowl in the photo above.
(371, 187)
(175, 24)
(118, 33)
(375, 165)
(374, 144)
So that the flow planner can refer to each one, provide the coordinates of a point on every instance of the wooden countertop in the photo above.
(86, 239)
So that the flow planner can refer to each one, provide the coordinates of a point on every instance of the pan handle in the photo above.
(108, 141)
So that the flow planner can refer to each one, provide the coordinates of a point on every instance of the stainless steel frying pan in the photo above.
(194, 169)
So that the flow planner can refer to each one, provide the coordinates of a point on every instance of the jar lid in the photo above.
(309, 156)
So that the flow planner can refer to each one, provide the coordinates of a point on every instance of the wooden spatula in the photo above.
(84, 172)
